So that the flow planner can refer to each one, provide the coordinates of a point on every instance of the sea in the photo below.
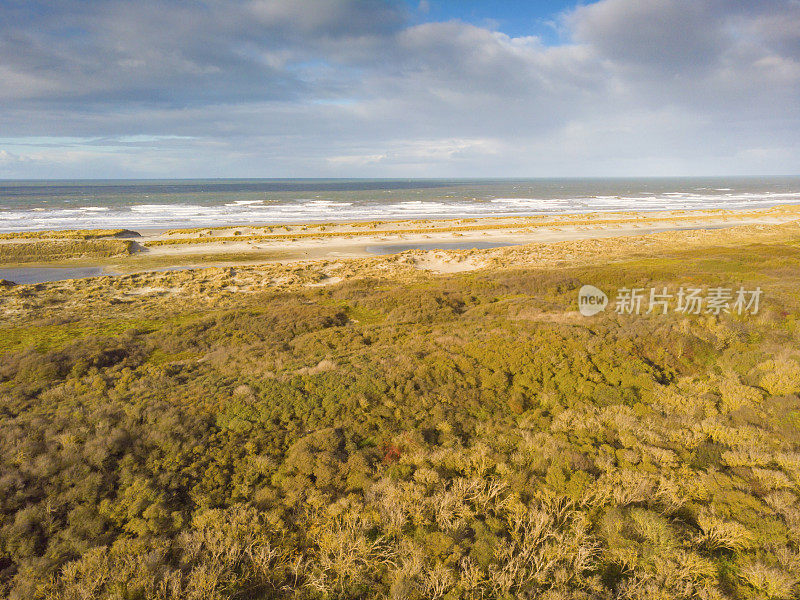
(156, 204)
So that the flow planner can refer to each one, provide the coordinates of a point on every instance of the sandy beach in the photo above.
(159, 249)
(291, 256)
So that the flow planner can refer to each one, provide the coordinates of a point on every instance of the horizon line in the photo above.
(398, 178)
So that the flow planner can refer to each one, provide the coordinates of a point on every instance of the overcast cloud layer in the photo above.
(367, 88)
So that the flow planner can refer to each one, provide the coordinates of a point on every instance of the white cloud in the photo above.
(349, 87)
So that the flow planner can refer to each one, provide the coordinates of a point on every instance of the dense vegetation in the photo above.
(70, 234)
(445, 437)
(54, 250)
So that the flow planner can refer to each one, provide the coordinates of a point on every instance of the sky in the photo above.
(398, 88)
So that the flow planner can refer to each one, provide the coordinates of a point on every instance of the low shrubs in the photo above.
(463, 437)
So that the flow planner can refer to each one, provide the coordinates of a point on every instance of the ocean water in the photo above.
(138, 204)
(44, 274)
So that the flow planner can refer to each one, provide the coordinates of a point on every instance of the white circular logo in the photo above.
(591, 300)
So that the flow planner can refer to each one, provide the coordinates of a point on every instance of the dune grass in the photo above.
(143, 262)
(404, 435)
(81, 234)
(57, 250)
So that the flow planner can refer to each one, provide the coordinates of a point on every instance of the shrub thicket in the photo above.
(462, 437)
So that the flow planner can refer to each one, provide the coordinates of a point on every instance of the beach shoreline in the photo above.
(434, 246)
(168, 249)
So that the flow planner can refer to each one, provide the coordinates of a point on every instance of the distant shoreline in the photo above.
(52, 256)
(156, 205)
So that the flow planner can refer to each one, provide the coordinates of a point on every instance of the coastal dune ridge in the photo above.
(436, 245)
